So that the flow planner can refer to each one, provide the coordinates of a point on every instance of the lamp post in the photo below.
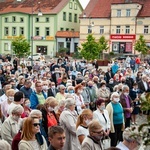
(32, 28)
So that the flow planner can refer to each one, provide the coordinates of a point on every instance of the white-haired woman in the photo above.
(61, 95)
(116, 116)
(12, 124)
(60, 108)
(132, 139)
(68, 119)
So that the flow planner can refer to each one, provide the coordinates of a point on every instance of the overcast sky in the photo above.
(84, 3)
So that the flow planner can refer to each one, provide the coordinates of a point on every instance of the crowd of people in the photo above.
(71, 104)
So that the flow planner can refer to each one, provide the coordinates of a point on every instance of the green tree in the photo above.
(102, 45)
(90, 49)
(21, 47)
(141, 46)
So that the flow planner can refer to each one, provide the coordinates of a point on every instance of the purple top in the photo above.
(127, 114)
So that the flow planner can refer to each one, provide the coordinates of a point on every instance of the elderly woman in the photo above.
(93, 141)
(60, 108)
(78, 98)
(21, 81)
(103, 92)
(116, 116)
(101, 114)
(61, 95)
(68, 119)
(48, 114)
(132, 139)
(5, 104)
(12, 124)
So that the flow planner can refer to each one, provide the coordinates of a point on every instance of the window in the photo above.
(128, 12)
(64, 16)
(21, 20)
(67, 29)
(13, 19)
(47, 32)
(101, 29)
(6, 19)
(47, 19)
(127, 31)
(6, 31)
(145, 29)
(72, 29)
(7, 47)
(14, 32)
(119, 13)
(75, 17)
(118, 29)
(21, 31)
(61, 29)
(37, 19)
(90, 29)
(37, 31)
(70, 17)
(70, 5)
(75, 6)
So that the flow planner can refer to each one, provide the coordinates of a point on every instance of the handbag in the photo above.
(106, 143)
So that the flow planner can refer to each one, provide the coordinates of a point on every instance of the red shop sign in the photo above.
(122, 37)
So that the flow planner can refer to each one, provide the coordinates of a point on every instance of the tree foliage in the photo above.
(103, 45)
(92, 49)
(21, 47)
(141, 46)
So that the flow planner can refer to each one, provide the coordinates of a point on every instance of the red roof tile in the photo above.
(67, 34)
(102, 8)
(25, 6)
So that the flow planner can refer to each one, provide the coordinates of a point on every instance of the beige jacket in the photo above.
(89, 144)
(110, 112)
(25, 145)
(10, 128)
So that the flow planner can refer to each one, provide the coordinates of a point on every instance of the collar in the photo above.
(93, 139)
(122, 146)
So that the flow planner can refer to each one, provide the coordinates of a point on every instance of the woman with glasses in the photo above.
(29, 141)
(93, 140)
(68, 120)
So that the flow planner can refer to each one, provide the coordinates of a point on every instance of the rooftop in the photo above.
(102, 8)
(67, 34)
(25, 6)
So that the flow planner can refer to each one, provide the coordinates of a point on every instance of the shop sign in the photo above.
(50, 38)
(37, 37)
(122, 37)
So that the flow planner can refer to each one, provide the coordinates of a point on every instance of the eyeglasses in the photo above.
(100, 132)
(36, 124)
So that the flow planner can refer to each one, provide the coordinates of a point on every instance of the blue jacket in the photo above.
(34, 99)
(114, 68)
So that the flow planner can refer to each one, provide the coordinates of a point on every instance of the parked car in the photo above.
(124, 56)
(37, 56)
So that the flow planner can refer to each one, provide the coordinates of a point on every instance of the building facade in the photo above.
(25, 18)
(120, 21)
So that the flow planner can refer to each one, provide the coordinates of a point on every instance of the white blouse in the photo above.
(99, 116)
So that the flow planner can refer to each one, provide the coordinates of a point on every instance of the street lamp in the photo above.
(39, 14)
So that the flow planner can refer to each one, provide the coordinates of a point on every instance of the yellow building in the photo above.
(120, 21)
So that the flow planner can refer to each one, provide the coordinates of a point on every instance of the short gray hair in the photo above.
(69, 102)
(4, 145)
(125, 87)
(114, 94)
(17, 109)
(35, 112)
(132, 134)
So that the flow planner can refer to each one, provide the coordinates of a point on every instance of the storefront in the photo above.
(122, 43)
